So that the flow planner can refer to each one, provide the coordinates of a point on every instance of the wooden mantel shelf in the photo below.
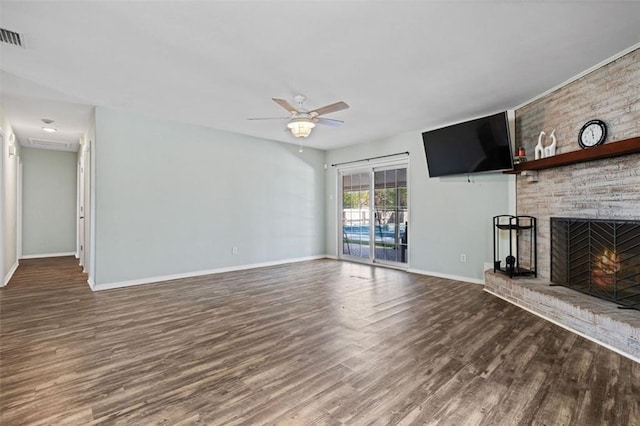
(607, 150)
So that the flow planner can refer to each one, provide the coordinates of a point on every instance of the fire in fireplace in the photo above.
(605, 267)
(597, 257)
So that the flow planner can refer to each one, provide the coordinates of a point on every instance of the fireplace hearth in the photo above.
(598, 257)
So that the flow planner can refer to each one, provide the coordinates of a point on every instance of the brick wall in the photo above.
(604, 188)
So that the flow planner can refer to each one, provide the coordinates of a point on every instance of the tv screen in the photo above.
(479, 145)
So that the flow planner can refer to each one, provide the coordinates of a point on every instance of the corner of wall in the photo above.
(8, 199)
(9, 274)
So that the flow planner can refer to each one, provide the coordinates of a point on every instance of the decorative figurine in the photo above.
(539, 149)
(551, 149)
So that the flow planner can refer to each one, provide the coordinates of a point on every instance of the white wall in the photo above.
(8, 198)
(48, 202)
(174, 199)
(449, 216)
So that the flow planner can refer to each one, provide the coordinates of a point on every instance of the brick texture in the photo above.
(597, 189)
(598, 319)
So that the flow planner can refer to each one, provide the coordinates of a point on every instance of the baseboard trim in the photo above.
(447, 276)
(150, 280)
(7, 277)
(92, 285)
(566, 327)
(43, 255)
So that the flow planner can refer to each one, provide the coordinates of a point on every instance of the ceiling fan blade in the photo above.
(269, 118)
(329, 122)
(338, 106)
(286, 105)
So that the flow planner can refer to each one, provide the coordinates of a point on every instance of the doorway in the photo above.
(374, 209)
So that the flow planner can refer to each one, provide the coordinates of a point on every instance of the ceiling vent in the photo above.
(10, 37)
(49, 144)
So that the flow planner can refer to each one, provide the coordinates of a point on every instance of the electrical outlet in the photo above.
(234, 250)
(463, 258)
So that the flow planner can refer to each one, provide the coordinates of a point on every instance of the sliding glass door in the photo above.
(375, 215)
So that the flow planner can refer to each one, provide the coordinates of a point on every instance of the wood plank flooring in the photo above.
(319, 342)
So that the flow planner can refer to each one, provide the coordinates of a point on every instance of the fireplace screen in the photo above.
(597, 257)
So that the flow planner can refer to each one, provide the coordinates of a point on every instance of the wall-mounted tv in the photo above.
(479, 145)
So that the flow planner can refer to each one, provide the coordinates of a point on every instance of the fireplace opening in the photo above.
(597, 257)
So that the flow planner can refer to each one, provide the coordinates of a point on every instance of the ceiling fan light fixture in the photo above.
(301, 127)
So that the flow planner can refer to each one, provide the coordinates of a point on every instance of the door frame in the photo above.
(2, 203)
(19, 182)
(83, 194)
(80, 209)
(340, 233)
(370, 166)
(378, 168)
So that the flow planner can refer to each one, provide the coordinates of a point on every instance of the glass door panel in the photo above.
(356, 214)
(390, 215)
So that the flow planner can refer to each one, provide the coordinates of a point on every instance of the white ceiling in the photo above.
(27, 103)
(402, 66)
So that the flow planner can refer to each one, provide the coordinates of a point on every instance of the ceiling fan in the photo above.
(301, 121)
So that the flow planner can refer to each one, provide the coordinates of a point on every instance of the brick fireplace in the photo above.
(602, 189)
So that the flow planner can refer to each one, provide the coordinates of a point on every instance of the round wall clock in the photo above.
(593, 133)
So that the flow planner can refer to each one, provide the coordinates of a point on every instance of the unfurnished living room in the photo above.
(340, 212)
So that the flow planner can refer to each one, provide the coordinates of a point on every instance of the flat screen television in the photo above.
(479, 145)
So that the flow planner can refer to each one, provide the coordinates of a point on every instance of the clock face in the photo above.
(592, 134)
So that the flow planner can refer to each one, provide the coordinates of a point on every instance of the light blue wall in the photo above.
(448, 216)
(173, 199)
(49, 188)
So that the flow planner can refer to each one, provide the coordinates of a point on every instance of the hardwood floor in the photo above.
(319, 342)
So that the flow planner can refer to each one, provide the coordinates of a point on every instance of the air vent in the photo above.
(10, 37)
(49, 144)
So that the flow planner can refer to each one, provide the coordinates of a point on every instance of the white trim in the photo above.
(91, 151)
(332, 257)
(2, 205)
(119, 284)
(92, 285)
(19, 206)
(511, 181)
(447, 276)
(42, 255)
(580, 75)
(6, 279)
(566, 327)
(78, 166)
(337, 209)
(410, 226)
